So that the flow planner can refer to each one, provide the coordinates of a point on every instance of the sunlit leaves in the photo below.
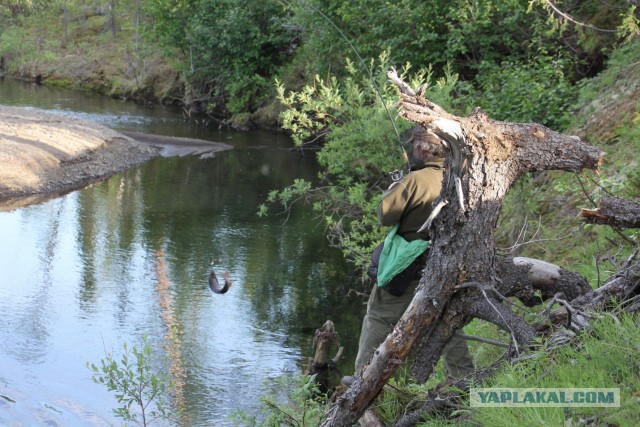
(535, 91)
(310, 110)
(359, 146)
(140, 391)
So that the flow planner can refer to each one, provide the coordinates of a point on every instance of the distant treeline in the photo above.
(228, 52)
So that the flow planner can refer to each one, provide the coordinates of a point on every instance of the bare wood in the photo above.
(488, 157)
(533, 281)
(542, 273)
(325, 339)
(614, 211)
(369, 419)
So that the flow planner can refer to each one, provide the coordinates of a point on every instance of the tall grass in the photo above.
(608, 356)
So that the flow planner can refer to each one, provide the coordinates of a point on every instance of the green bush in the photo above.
(537, 91)
(228, 51)
(11, 43)
(141, 393)
(358, 147)
(464, 33)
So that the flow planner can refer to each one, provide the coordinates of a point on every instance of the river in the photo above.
(129, 257)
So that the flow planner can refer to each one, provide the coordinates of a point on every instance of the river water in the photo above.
(129, 257)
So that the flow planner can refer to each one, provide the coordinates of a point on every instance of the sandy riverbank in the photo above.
(44, 154)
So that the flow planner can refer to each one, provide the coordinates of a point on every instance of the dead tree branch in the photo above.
(487, 157)
(614, 211)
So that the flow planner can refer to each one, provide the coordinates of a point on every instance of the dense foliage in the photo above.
(227, 53)
(463, 33)
(520, 60)
(228, 50)
(359, 147)
(510, 58)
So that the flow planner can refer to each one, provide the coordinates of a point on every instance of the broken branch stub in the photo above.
(614, 211)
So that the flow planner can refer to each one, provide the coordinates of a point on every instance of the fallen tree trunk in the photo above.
(484, 158)
(533, 281)
(529, 280)
(621, 290)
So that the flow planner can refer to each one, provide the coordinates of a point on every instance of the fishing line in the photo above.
(375, 85)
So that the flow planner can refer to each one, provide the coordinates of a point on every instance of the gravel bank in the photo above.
(44, 154)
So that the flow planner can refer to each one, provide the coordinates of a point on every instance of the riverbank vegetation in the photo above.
(571, 65)
(219, 61)
(606, 357)
(220, 58)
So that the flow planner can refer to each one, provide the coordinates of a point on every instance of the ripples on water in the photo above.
(130, 256)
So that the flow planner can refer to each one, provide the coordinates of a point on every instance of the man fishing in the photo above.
(406, 205)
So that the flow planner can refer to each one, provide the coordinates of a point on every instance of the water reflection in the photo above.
(130, 256)
(173, 336)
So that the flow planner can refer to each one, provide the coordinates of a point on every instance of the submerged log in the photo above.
(484, 158)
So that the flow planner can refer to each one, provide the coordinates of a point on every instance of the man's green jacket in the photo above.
(406, 206)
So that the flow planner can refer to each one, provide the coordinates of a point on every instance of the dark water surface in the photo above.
(84, 273)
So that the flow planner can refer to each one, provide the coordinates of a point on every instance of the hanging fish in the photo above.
(214, 285)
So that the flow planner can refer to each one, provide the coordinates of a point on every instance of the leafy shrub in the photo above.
(359, 147)
(229, 50)
(463, 33)
(537, 91)
(135, 385)
(11, 43)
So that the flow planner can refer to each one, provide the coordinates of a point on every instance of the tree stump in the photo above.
(325, 339)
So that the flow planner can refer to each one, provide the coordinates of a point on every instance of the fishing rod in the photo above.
(395, 175)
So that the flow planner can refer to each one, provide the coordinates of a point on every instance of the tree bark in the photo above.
(325, 339)
(484, 158)
(614, 211)
(533, 281)
(620, 291)
(110, 25)
(530, 280)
